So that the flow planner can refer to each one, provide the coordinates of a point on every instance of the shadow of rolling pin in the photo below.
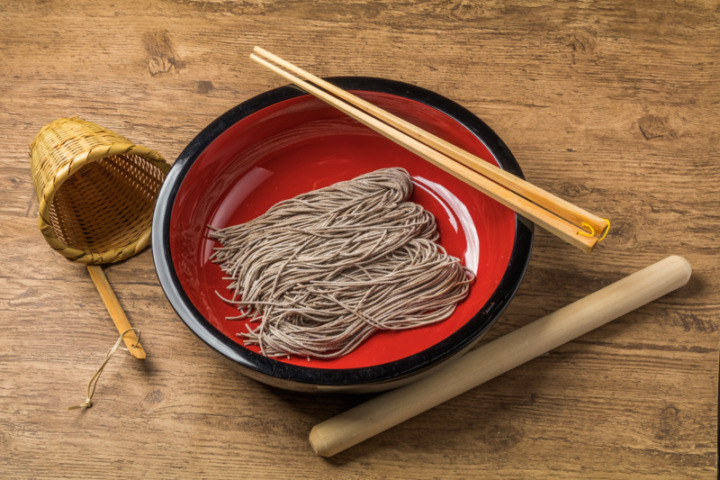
(495, 358)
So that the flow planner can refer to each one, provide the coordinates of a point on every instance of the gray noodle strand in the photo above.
(317, 274)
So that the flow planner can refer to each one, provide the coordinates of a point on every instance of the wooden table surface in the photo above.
(613, 105)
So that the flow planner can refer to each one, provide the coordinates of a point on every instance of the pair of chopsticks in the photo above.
(569, 222)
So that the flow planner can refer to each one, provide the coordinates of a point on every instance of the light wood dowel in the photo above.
(116, 311)
(489, 361)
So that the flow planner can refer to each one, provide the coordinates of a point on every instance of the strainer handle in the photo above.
(116, 311)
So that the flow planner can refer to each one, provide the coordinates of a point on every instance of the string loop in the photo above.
(93, 381)
(607, 229)
(591, 233)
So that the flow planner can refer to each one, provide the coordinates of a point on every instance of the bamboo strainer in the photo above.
(96, 192)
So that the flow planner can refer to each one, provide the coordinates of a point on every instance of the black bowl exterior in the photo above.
(375, 378)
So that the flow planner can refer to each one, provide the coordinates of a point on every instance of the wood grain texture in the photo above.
(612, 105)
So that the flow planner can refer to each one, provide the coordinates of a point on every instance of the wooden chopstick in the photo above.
(455, 161)
(560, 207)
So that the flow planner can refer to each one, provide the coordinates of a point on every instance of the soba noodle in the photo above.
(317, 274)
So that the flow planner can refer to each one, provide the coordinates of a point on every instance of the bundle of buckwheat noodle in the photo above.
(318, 274)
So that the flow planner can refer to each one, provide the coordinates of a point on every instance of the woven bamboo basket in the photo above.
(96, 190)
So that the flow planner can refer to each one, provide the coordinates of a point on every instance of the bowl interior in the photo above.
(300, 144)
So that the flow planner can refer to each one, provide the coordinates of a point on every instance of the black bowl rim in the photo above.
(276, 370)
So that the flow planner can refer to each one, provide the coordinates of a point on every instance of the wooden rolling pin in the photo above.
(497, 357)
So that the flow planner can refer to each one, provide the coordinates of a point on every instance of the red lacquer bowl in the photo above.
(285, 142)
